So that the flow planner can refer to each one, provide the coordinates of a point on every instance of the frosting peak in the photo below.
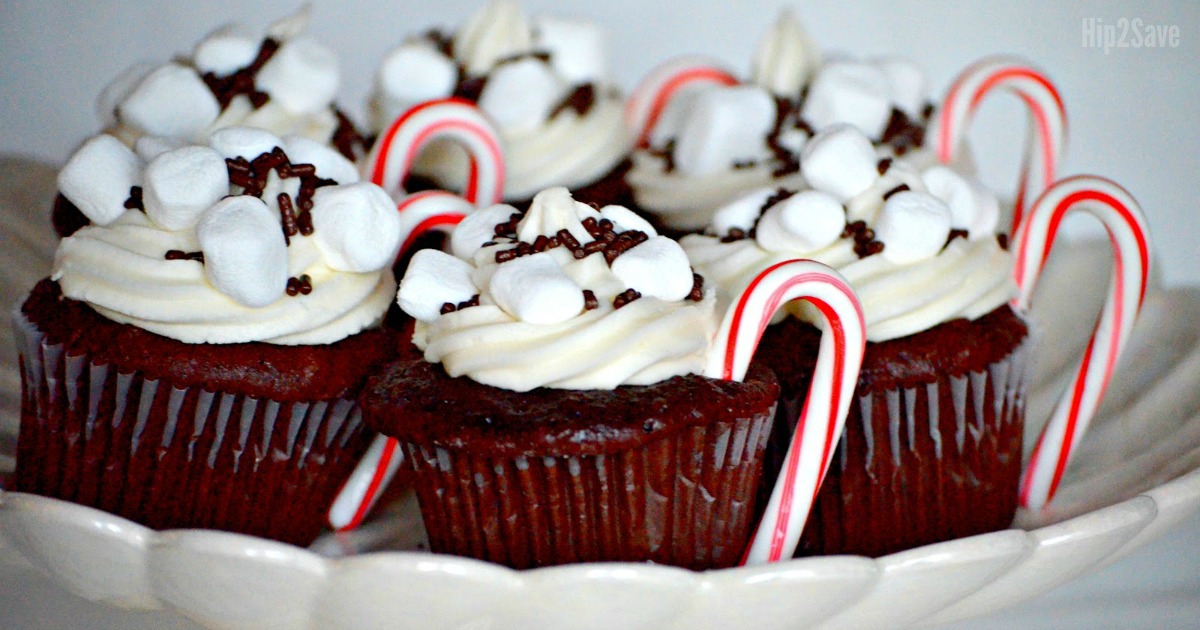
(786, 57)
(496, 32)
(563, 295)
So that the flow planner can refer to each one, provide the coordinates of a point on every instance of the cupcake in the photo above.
(559, 413)
(713, 140)
(543, 82)
(194, 358)
(937, 423)
(282, 81)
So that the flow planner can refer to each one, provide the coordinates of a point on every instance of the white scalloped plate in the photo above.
(1137, 475)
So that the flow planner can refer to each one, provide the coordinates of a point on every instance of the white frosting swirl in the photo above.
(642, 342)
(529, 68)
(253, 284)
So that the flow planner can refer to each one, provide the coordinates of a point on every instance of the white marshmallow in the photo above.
(912, 226)
(244, 142)
(496, 31)
(535, 290)
(329, 163)
(793, 139)
(840, 161)
(657, 268)
(725, 125)
(802, 223)
(245, 256)
(170, 101)
(906, 85)
(576, 48)
(302, 76)
(625, 219)
(150, 147)
(477, 228)
(98, 177)
(972, 207)
(356, 227)
(848, 92)
(226, 51)
(119, 88)
(519, 95)
(675, 113)
(433, 279)
(416, 72)
(181, 184)
(742, 212)
(291, 26)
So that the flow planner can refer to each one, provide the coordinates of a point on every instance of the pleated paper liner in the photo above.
(685, 499)
(934, 460)
(172, 457)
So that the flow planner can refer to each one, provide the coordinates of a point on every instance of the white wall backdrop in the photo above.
(1133, 111)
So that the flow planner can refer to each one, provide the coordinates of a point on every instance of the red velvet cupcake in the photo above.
(194, 358)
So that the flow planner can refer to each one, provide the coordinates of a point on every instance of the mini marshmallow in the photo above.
(906, 85)
(244, 142)
(225, 51)
(119, 88)
(170, 101)
(245, 256)
(657, 268)
(725, 125)
(519, 95)
(329, 163)
(912, 226)
(793, 139)
(98, 177)
(477, 228)
(576, 48)
(180, 185)
(302, 76)
(972, 207)
(675, 113)
(150, 147)
(433, 279)
(416, 72)
(535, 290)
(625, 219)
(802, 223)
(356, 227)
(291, 26)
(840, 161)
(498, 31)
(742, 212)
(853, 93)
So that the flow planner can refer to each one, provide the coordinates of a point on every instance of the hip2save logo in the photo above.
(1127, 33)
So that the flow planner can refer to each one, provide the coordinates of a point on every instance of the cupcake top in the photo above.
(283, 82)
(563, 296)
(917, 242)
(544, 82)
(250, 237)
(713, 142)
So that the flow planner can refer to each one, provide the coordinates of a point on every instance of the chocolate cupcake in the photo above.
(559, 413)
(194, 358)
(708, 137)
(940, 399)
(283, 82)
(543, 82)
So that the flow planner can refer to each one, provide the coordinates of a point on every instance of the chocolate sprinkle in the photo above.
(627, 296)
(697, 293)
(899, 189)
(581, 99)
(176, 254)
(288, 214)
(1002, 240)
(884, 166)
(134, 202)
(589, 300)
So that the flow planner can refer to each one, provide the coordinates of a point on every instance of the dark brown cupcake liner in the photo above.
(177, 457)
(686, 499)
(916, 465)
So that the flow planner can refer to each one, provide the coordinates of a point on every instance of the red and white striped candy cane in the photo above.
(392, 157)
(419, 213)
(1048, 120)
(1122, 218)
(648, 100)
(824, 415)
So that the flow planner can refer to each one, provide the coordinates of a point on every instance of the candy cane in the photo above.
(419, 213)
(648, 100)
(1047, 132)
(392, 157)
(1126, 227)
(833, 383)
